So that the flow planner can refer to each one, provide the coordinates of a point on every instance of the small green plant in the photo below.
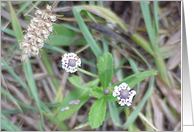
(101, 88)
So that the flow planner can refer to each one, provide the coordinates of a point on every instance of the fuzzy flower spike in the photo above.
(124, 94)
(70, 62)
(38, 31)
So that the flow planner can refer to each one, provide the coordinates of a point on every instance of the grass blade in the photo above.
(142, 42)
(114, 113)
(32, 85)
(95, 48)
(147, 19)
(27, 66)
(156, 13)
(135, 113)
(14, 74)
(7, 125)
(15, 23)
(49, 68)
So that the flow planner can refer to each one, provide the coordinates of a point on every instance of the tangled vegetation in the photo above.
(105, 65)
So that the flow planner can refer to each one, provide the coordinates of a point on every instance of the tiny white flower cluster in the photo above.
(38, 31)
(124, 94)
(70, 62)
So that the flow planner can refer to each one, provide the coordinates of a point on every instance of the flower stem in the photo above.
(87, 73)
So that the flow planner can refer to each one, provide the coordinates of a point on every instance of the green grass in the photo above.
(110, 56)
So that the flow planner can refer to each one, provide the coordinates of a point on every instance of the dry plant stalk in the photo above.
(38, 31)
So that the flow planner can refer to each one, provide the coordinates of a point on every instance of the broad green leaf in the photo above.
(76, 80)
(80, 94)
(105, 69)
(92, 83)
(110, 98)
(97, 113)
(97, 92)
(114, 113)
(135, 78)
(64, 37)
(70, 27)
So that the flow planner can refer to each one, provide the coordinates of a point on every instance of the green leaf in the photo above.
(15, 24)
(81, 94)
(147, 19)
(92, 83)
(142, 42)
(32, 85)
(110, 98)
(27, 66)
(156, 13)
(97, 113)
(105, 69)
(97, 92)
(76, 80)
(135, 78)
(87, 35)
(64, 37)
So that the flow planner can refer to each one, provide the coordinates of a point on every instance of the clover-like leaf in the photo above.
(97, 113)
(105, 69)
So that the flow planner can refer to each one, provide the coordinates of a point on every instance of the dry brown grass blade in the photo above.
(39, 76)
(54, 4)
(73, 119)
(175, 59)
(59, 9)
(47, 78)
(19, 93)
(178, 127)
(135, 16)
(173, 100)
(174, 37)
(28, 120)
(177, 92)
(158, 113)
(172, 80)
(47, 90)
(169, 115)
